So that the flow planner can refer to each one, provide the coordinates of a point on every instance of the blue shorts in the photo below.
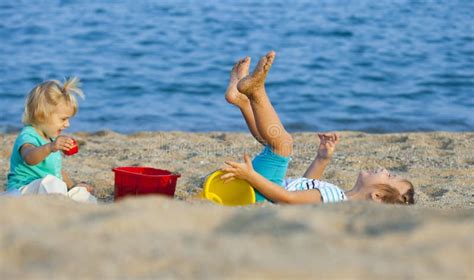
(271, 166)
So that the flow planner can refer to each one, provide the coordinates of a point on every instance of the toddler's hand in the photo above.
(62, 143)
(327, 145)
(237, 170)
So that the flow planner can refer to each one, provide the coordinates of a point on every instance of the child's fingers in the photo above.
(229, 180)
(63, 147)
(68, 146)
(329, 137)
(334, 139)
(227, 176)
(64, 139)
(323, 136)
(223, 166)
(228, 169)
(63, 144)
(231, 163)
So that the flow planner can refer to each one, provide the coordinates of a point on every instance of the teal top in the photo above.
(21, 173)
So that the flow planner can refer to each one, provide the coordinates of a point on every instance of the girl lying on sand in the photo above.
(267, 170)
(35, 162)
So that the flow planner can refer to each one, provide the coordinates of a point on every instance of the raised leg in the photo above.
(267, 121)
(233, 96)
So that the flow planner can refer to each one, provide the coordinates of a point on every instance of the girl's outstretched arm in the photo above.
(328, 142)
(269, 189)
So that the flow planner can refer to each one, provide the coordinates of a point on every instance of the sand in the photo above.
(157, 237)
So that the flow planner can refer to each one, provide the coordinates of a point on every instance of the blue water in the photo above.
(376, 66)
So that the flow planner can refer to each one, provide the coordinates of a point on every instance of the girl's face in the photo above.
(57, 122)
(383, 176)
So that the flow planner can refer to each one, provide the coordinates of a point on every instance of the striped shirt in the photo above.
(329, 192)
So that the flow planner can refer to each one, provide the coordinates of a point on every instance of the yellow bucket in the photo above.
(235, 193)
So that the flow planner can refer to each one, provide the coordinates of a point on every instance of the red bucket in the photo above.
(134, 180)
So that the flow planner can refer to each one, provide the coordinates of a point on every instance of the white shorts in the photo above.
(53, 185)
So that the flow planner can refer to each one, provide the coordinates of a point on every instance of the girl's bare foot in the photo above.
(240, 70)
(254, 83)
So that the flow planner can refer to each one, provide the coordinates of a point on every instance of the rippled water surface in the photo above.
(378, 66)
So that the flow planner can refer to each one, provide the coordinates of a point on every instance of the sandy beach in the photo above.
(153, 236)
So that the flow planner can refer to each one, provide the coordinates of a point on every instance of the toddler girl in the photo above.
(35, 162)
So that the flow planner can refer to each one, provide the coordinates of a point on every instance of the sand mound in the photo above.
(157, 237)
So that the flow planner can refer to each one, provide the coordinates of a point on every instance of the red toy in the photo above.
(133, 180)
(73, 150)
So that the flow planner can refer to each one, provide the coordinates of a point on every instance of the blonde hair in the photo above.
(391, 195)
(43, 99)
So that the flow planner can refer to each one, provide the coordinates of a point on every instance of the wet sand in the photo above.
(158, 237)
